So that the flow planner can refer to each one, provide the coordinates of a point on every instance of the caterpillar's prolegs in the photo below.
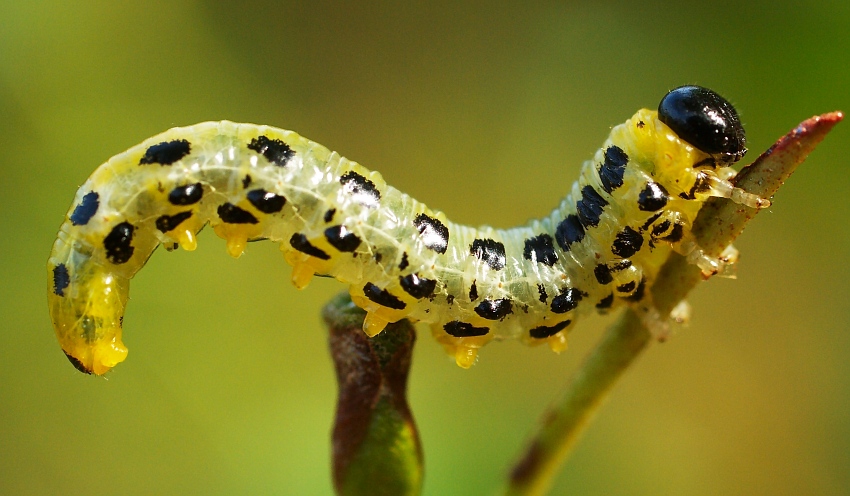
(187, 239)
(302, 274)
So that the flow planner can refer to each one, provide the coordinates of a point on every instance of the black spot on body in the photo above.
(541, 249)
(329, 214)
(117, 243)
(701, 185)
(189, 194)
(651, 220)
(590, 207)
(417, 287)
(86, 209)
(569, 231)
(676, 234)
(433, 233)
(639, 293)
(489, 251)
(653, 198)
(232, 214)
(460, 329)
(627, 288)
(494, 309)
(661, 229)
(543, 332)
(275, 150)
(382, 297)
(166, 153)
(620, 265)
(450, 299)
(473, 292)
(77, 364)
(603, 274)
(541, 289)
(342, 239)
(361, 189)
(265, 201)
(404, 263)
(606, 302)
(300, 242)
(61, 279)
(613, 168)
(246, 181)
(166, 223)
(566, 301)
(627, 243)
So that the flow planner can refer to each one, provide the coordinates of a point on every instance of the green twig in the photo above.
(376, 449)
(718, 224)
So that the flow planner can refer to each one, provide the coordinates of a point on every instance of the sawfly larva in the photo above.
(599, 249)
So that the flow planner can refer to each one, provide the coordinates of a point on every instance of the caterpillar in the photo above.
(599, 249)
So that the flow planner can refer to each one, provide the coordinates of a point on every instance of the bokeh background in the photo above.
(485, 111)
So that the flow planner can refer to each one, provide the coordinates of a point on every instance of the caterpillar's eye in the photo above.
(705, 120)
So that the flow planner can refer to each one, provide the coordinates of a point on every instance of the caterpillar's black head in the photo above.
(705, 120)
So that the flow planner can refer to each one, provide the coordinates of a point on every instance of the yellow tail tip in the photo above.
(98, 357)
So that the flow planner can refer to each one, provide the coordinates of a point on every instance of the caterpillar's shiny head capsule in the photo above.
(705, 120)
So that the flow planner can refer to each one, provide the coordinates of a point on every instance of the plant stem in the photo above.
(376, 448)
(719, 222)
(563, 425)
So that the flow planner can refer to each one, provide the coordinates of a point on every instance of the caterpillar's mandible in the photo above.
(600, 248)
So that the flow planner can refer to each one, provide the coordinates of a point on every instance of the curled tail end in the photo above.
(87, 310)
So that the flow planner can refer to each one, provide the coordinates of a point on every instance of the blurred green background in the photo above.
(485, 111)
